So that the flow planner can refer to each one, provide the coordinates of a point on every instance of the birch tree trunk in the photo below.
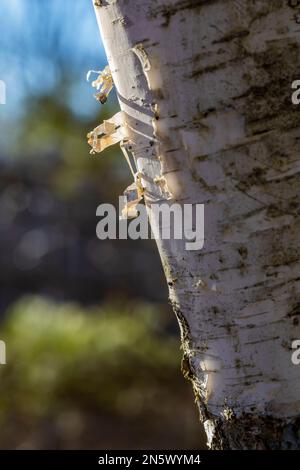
(205, 86)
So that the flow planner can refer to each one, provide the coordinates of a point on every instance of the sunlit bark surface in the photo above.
(206, 90)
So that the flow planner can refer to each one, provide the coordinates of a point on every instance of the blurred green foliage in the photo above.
(110, 357)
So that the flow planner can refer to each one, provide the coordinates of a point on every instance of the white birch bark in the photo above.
(206, 89)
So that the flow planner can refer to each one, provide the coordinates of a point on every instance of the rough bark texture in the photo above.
(206, 88)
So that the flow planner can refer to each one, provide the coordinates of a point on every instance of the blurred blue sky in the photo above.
(44, 44)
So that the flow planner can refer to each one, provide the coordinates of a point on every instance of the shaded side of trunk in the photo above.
(206, 90)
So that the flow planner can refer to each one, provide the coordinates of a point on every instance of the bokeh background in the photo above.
(93, 352)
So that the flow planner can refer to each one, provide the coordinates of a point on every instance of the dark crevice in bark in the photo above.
(255, 432)
(227, 431)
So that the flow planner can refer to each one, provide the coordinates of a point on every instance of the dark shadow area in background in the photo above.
(93, 357)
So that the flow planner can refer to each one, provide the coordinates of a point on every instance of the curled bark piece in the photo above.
(162, 183)
(103, 83)
(139, 50)
(110, 132)
(134, 194)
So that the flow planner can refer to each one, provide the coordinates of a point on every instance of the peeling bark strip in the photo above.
(206, 90)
